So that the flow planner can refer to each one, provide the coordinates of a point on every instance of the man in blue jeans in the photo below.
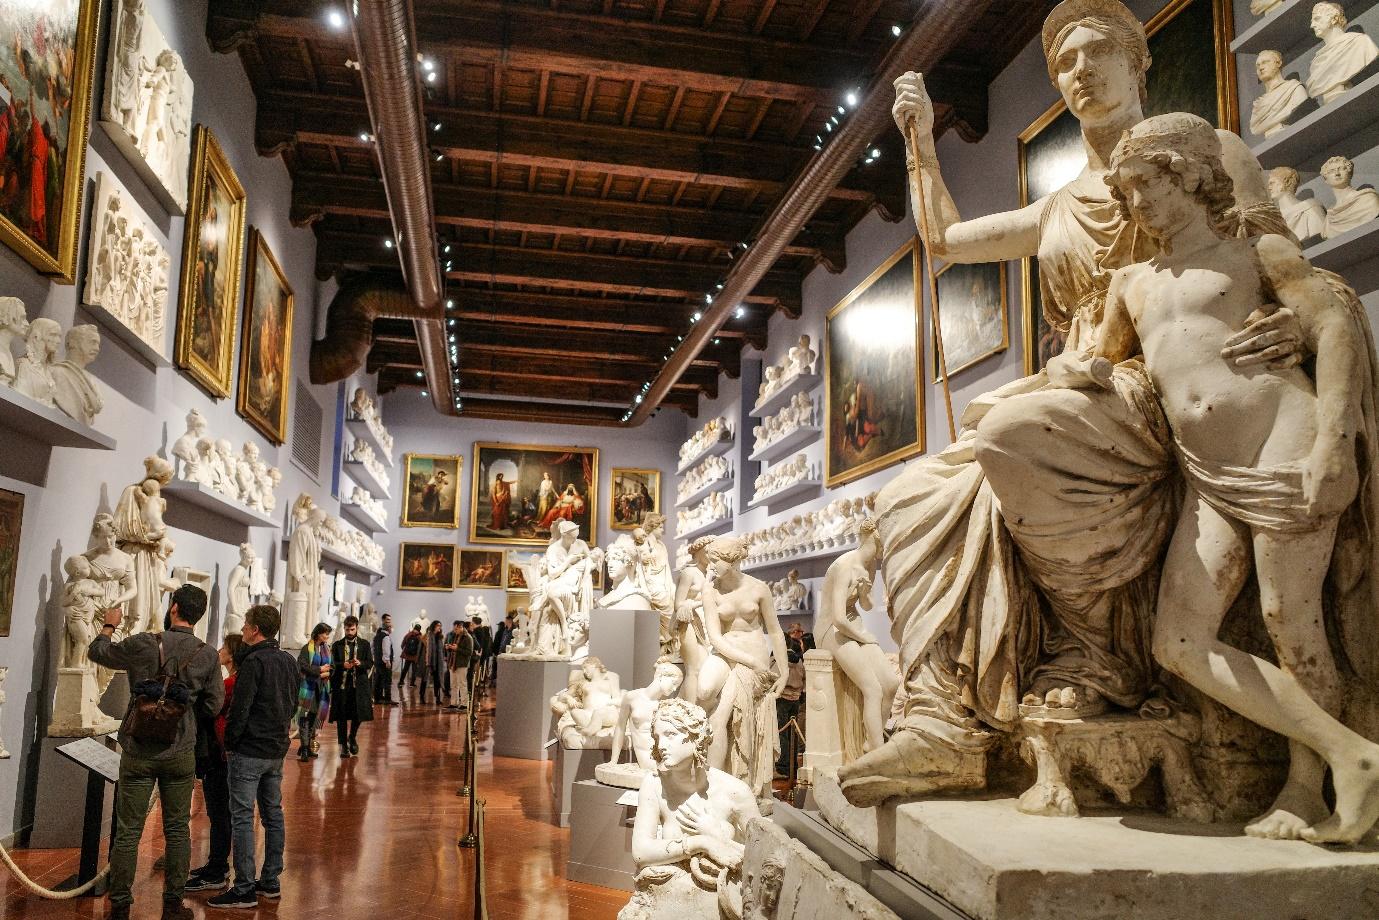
(256, 739)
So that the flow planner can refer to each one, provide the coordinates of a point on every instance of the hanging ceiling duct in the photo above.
(935, 30)
(385, 41)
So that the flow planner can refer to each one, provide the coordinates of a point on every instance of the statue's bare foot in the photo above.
(909, 764)
(1067, 702)
(1356, 780)
(1297, 808)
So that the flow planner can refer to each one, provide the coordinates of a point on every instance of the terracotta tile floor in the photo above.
(375, 836)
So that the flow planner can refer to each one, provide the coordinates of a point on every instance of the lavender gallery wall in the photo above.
(144, 408)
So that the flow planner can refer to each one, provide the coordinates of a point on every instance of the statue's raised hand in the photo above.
(1272, 336)
(912, 104)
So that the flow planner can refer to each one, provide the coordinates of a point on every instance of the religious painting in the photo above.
(972, 315)
(519, 491)
(47, 64)
(873, 403)
(432, 496)
(426, 567)
(1193, 71)
(11, 519)
(518, 562)
(265, 354)
(636, 493)
(481, 568)
(212, 253)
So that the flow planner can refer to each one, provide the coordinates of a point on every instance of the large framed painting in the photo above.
(519, 491)
(432, 493)
(11, 522)
(636, 493)
(1189, 41)
(482, 568)
(873, 401)
(972, 314)
(212, 254)
(426, 567)
(265, 354)
(47, 65)
(518, 561)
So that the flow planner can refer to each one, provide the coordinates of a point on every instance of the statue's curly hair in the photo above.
(1215, 188)
(692, 719)
(731, 548)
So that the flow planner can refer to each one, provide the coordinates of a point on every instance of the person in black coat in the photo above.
(483, 650)
(351, 691)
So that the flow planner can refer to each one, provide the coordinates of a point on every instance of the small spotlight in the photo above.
(639, 398)
(715, 341)
(431, 77)
(387, 244)
(708, 298)
(694, 318)
(439, 157)
(450, 305)
(336, 19)
(364, 136)
(436, 126)
(740, 312)
(842, 111)
(452, 323)
(896, 30)
(420, 375)
(718, 286)
(851, 98)
(428, 65)
(876, 153)
(424, 394)
(446, 250)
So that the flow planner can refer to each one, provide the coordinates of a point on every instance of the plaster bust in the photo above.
(14, 323)
(74, 389)
(1342, 54)
(34, 374)
(1353, 206)
(1306, 218)
(1281, 98)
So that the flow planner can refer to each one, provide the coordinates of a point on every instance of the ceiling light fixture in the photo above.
(336, 19)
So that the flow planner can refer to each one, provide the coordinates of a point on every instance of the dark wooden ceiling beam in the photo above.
(517, 308)
(314, 195)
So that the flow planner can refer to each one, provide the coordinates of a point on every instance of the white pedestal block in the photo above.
(628, 642)
(601, 837)
(524, 723)
(994, 863)
(571, 765)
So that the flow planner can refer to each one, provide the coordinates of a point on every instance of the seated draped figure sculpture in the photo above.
(1022, 563)
(689, 835)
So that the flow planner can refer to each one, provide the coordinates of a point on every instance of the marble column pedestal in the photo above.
(524, 725)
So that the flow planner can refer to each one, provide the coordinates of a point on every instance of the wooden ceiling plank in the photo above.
(767, 8)
(809, 18)
(630, 109)
(862, 16)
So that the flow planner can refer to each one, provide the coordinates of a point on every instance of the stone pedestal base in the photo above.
(61, 806)
(571, 765)
(601, 837)
(621, 775)
(76, 707)
(628, 642)
(524, 723)
(994, 863)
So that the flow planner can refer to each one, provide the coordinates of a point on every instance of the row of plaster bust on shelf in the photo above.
(38, 374)
(714, 430)
(1307, 218)
(362, 498)
(798, 413)
(212, 463)
(692, 738)
(799, 360)
(367, 411)
(339, 536)
(1341, 57)
(832, 526)
(790, 594)
(784, 475)
(716, 507)
(710, 469)
(361, 451)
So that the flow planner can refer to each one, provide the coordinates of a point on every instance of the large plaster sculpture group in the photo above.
(129, 266)
(241, 476)
(715, 431)
(38, 373)
(798, 413)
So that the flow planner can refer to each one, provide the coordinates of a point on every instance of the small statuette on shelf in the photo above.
(1281, 97)
(798, 361)
(1353, 206)
(365, 410)
(711, 469)
(212, 463)
(1305, 217)
(712, 509)
(362, 452)
(797, 414)
(782, 476)
(1342, 54)
(74, 390)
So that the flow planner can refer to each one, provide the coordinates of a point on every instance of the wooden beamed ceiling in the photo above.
(596, 167)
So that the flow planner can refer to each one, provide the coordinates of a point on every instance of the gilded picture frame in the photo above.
(524, 517)
(431, 490)
(1188, 39)
(212, 260)
(11, 528)
(974, 313)
(632, 495)
(482, 568)
(49, 243)
(265, 355)
(426, 567)
(873, 355)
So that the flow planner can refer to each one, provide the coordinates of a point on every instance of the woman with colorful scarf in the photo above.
(313, 707)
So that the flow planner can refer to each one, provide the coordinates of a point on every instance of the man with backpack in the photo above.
(174, 680)
(411, 651)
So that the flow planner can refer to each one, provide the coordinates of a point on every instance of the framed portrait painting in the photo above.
(47, 66)
(873, 401)
(426, 567)
(1189, 41)
(212, 254)
(432, 491)
(482, 568)
(11, 521)
(519, 491)
(265, 355)
(518, 564)
(635, 494)
(972, 314)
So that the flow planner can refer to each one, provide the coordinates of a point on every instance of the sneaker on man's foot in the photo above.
(202, 881)
(176, 910)
(268, 891)
(235, 898)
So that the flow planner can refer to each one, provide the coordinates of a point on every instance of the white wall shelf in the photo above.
(712, 527)
(49, 426)
(330, 557)
(365, 477)
(779, 399)
(787, 562)
(704, 490)
(716, 449)
(209, 500)
(361, 518)
(797, 491)
(1347, 126)
(805, 434)
(112, 325)
(360, 429)
(1287, 26)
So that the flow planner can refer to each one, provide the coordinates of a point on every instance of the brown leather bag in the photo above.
(157, 706)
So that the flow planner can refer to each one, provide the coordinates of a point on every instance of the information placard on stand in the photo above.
(102, 765)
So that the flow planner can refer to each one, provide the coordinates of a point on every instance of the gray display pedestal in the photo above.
(571, 766)
(524, 723)
(628, 642)
(601, 836)
(59, 813)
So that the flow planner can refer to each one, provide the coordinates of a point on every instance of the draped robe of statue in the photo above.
(139, 530)
(565, 594)
(1269, 113)
(304, 580)
(1337, 61)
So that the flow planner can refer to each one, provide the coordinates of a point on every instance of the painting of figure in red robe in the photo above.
(47, 54)
(519, 492)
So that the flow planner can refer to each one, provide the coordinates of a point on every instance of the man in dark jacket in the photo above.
(351, 694)
(483, 650)
(411, 657)
(459, 654)
(383, 654)
(256, 738)
(501, 640)
(175, 651)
